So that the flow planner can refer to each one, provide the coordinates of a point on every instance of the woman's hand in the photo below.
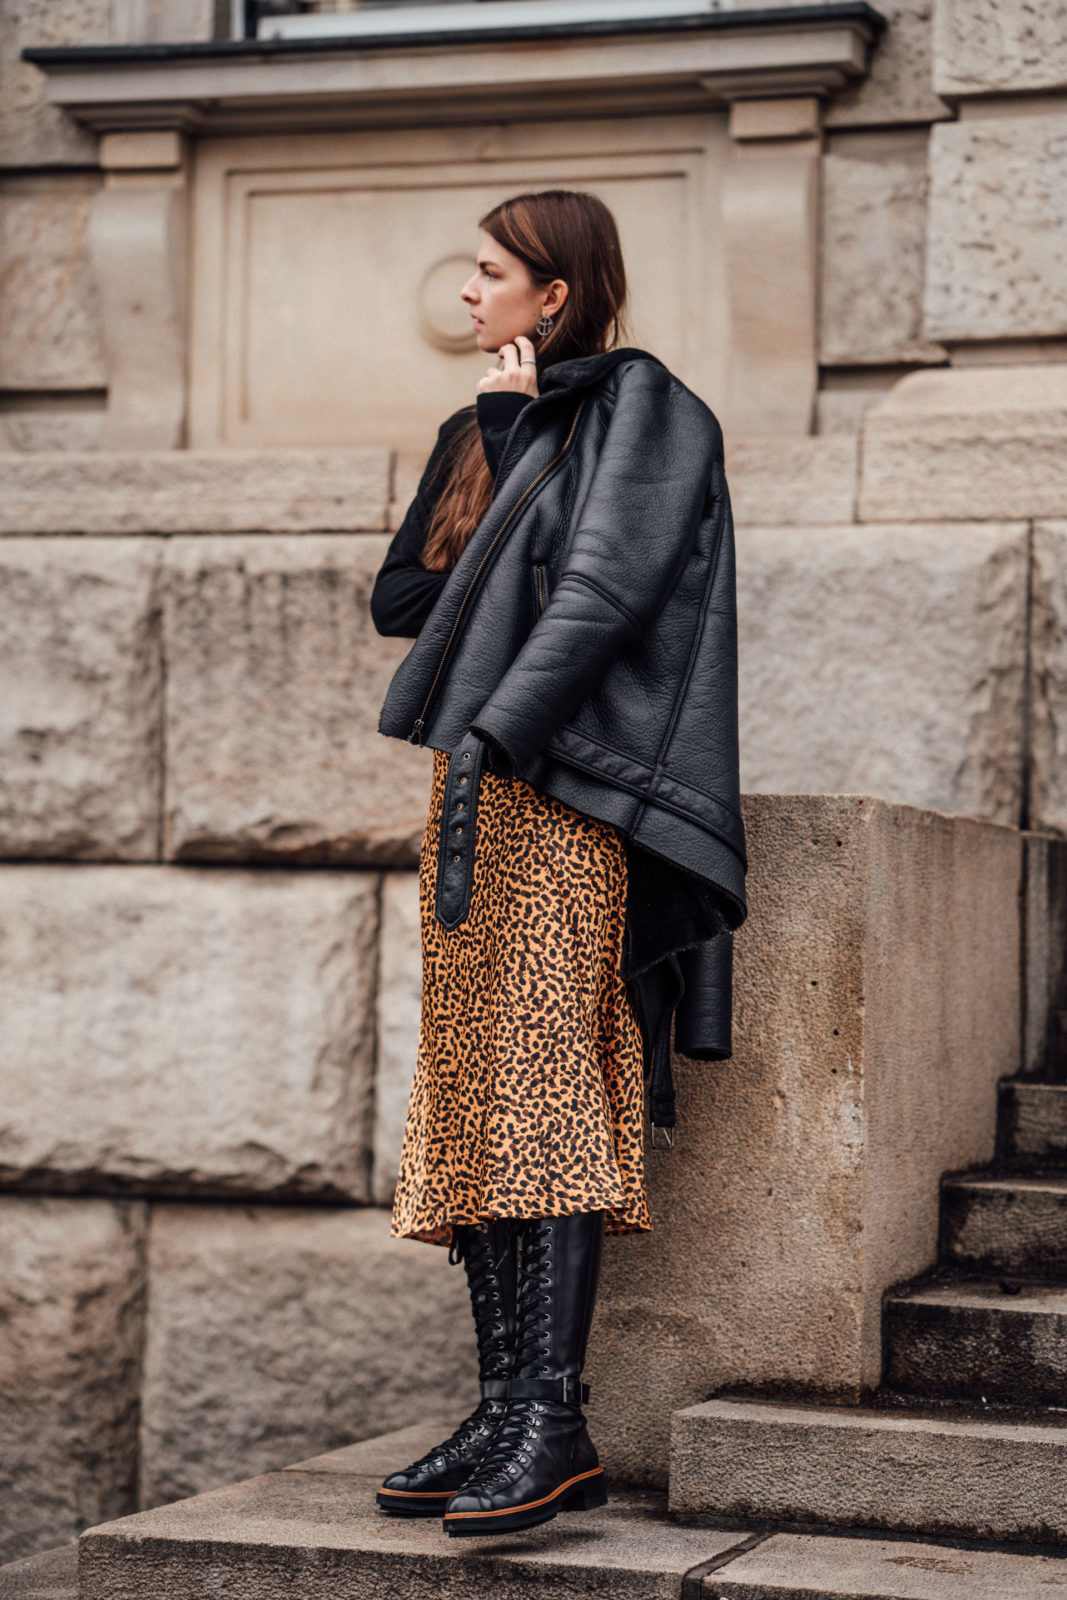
(519, 372)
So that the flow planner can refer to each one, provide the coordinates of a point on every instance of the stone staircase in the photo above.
(906, 1498)
(968, 1437)
(311, 1532)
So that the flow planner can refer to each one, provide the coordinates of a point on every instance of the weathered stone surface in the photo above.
(873, 249)
(899, 87)
(80, 761)
(805, 1180)
(276, 1332)
(275, 679)
(791, 481)
(942, 1473)
(193, 491)
(316, 1530)
(53, 1575)
(33, 133)
(71, 1293)
(53, 422)
(967, 443)
(989, 47)
(844, 398)
(399, 1007)
(170, 1030)
(1044, 1021)
(852, 682)
(1033, 1121)
(1013, 1226)
(798, 1567)
(996, 264)
(50, 332)
(1049, 687)
(967, 1340)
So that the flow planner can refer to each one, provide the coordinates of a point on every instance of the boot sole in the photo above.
(584, 1493)
(397, 1503)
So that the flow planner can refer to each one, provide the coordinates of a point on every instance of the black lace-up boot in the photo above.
(488, 1253)
(541, 1459)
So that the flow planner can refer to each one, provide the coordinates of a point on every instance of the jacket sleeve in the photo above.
(405, 592)
(634, 535)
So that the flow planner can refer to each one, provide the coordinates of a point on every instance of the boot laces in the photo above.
(480, 1425)
(535, 1299)
(473, 1246)
(511, 1452)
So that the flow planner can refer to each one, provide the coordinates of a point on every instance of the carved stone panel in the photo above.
(327, 268)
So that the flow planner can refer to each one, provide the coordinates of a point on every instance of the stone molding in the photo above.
(138, 246)
(961, 443)
(191, 491)
(260, 86)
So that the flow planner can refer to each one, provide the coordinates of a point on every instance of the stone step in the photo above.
(935, 1471)
(787, 1566)
(971, 1340)
(1033, 1121)
(313, 1530)
(1016, 1226)
(52, 1575)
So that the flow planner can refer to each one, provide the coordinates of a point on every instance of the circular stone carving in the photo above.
(444, 320)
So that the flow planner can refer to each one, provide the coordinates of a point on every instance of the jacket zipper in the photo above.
(542, 587)
(415, 736)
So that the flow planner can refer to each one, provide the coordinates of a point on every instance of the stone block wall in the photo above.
(209, 952)
(209, 962)
(207, 1034)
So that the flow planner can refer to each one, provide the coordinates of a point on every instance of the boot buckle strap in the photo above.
(564, 1391)
(494, 1388)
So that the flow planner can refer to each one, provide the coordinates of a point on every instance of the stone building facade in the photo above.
(228, 332)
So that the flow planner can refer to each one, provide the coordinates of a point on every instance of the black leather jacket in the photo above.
(587, 638)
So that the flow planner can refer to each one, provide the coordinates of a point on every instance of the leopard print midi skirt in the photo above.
(528, 1095)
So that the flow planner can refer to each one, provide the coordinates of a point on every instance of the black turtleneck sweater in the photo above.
(405, 591)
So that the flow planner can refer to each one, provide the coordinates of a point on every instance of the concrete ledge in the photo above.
(315, 1531)
(798, 1567)
(195, 491)
(312, 1529)
(967, 443)
(53, 1575)
(865, 1468)
(806, 1177)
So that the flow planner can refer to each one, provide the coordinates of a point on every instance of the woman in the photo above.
(566, 569)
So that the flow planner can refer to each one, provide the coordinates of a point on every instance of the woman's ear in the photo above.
(555, 298)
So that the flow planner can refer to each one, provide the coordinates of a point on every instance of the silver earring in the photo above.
(544, 326)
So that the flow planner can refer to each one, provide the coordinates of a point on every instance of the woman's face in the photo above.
(503, 299)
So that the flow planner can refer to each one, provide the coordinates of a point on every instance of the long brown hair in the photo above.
(559, 233)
